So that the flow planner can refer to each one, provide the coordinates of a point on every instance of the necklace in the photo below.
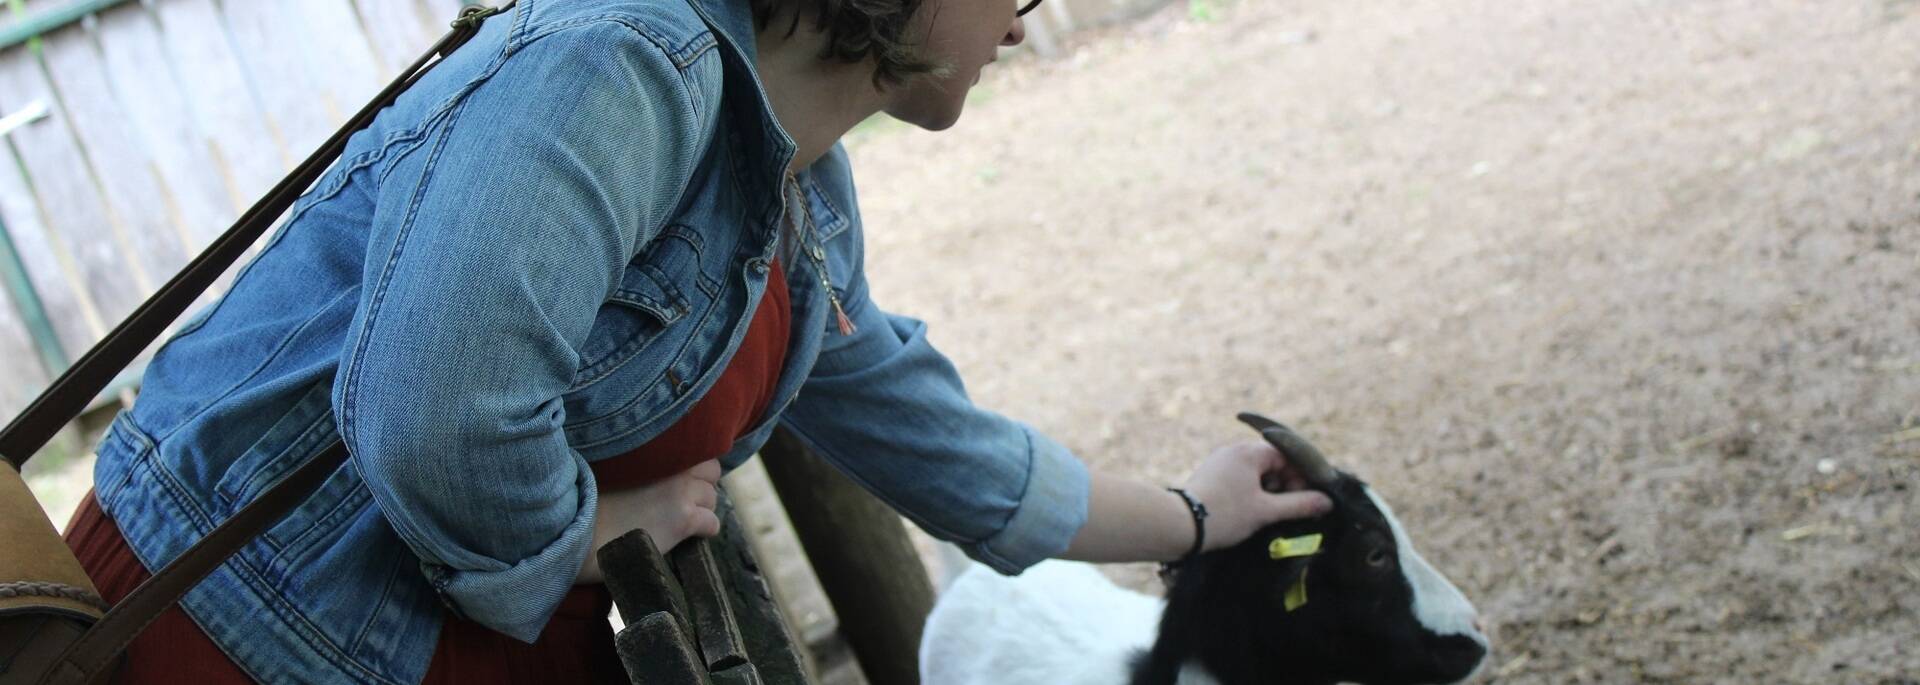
(806, 241)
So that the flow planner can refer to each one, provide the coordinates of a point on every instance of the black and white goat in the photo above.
(1339, 598)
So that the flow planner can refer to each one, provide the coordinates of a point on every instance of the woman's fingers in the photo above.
(703, 494)
(1301, 504)
(703, 523)
(1275, 475)
(708, 471)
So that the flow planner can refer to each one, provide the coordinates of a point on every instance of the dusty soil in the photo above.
(1615, 301)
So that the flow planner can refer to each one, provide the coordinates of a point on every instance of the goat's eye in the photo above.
(1377, 557)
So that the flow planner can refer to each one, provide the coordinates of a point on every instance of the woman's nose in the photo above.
(1015, 33)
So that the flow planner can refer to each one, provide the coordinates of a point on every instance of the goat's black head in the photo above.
(1375, 612)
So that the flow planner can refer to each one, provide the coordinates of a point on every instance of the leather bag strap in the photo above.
(92, 657)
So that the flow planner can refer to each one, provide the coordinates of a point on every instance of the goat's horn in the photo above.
(1260, 423)
(1303, 455)
(1300, 453)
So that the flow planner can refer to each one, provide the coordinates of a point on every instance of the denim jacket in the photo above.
(539, 257)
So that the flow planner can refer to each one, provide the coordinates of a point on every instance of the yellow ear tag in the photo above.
(1303, 546)
(1297, 595)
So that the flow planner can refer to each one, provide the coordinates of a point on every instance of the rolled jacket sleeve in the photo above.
(493, 246)
(890, 411)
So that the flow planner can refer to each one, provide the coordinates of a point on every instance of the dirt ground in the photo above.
(1614, 301)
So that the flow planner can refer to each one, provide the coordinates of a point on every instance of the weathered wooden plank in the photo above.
(640, 579)
(399, 29)
(743, 674)
(338, 55)
(714, 626)
(656, 651)
(137, 204)
(860, 552)
(73, 209)
(248, 158)
(52, 272)
(442, 11)
(263, 31)
(775, 654)
(156, 106)
(21, 376)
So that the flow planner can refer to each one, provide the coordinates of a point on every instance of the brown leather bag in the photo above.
(54, 628)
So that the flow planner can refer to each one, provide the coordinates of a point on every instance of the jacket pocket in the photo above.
(296, 436)
(648, 300)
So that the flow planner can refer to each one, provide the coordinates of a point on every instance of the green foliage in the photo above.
(1202, 11)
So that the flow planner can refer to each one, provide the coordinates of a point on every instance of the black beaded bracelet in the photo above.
(1199, 534)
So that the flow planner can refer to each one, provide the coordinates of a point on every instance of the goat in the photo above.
(1339, 598)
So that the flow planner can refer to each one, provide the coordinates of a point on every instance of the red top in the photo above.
(577, 643)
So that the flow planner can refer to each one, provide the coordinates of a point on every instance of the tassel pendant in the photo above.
(840, 318)
(846, 324)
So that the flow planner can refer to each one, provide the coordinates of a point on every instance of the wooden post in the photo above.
(657, 651)
(700, 614)
(860, 551)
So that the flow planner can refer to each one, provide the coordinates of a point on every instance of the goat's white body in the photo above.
(1060, 622)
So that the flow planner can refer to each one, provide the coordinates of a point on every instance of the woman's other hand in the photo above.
(671, 510)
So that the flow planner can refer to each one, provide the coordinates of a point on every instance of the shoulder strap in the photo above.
(92, 657)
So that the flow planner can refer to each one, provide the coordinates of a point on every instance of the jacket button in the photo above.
(760, 266)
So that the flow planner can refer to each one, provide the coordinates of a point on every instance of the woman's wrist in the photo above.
(1132, 520)
(1197, 510)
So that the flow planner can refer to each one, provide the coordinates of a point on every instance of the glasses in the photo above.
(1028, 8)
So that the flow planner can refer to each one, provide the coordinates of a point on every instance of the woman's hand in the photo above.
(671, 510)
(1246, 487)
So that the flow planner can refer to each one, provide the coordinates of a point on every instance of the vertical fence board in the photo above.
(73, 213)
(443, 11)
(242, 145)
(21, 376)
(136, 203)
(339, 56)
(57, 291)
(267, 36)
(399, 32)
(157, 109)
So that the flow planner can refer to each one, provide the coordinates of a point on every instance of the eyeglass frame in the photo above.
(1029, 8)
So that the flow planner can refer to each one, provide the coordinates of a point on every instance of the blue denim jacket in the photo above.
(539, 257)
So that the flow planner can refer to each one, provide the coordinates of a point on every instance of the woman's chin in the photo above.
(935, 118)
(933, 105)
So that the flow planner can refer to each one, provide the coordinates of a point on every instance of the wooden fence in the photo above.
(144, 127)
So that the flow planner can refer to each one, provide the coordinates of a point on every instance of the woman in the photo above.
(573, 274)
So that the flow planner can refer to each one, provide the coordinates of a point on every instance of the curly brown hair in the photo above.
(856, 30)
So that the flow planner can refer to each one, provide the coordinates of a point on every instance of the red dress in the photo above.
(577, 643)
